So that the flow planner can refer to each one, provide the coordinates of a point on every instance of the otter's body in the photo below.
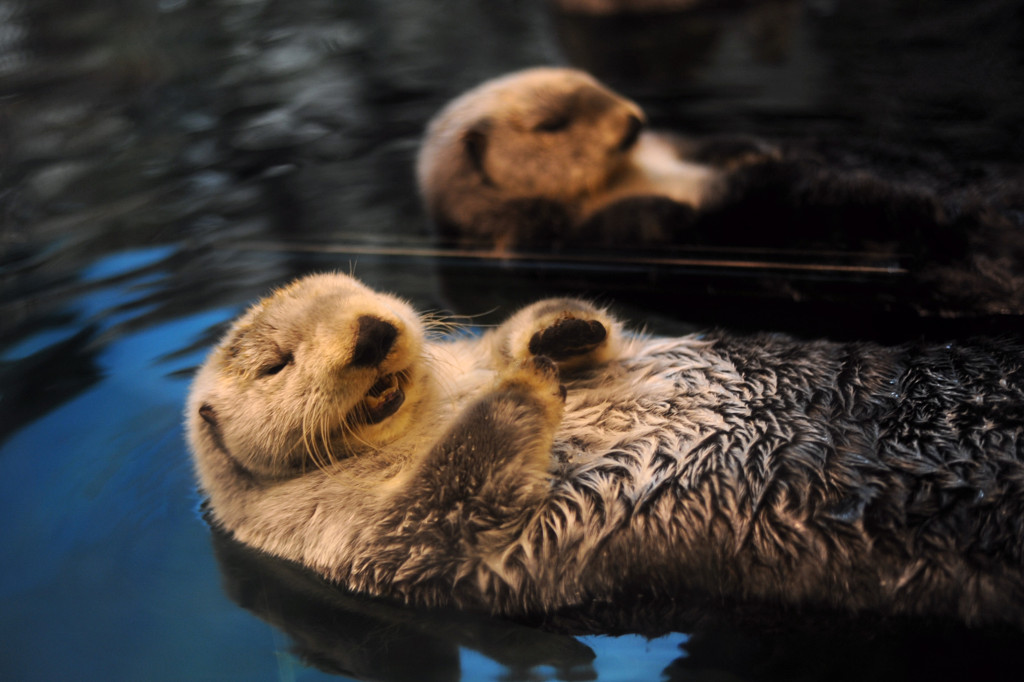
(767, 469)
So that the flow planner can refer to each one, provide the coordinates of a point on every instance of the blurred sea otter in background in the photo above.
(549, 157)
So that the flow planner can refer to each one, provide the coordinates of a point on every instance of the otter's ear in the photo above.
(474, 144)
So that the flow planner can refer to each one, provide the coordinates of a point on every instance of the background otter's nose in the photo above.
(634, 124)
(374, 340)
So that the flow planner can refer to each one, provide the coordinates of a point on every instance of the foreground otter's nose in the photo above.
(374, 340)
(633, 127)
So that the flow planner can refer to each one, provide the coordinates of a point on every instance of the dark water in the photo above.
(164, 162)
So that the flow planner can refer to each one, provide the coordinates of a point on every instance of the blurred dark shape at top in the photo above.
(938, 73)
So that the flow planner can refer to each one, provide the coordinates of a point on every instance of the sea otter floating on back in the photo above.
(559, 460)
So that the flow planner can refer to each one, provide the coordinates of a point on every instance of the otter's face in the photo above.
(320, 370)
(547, 132)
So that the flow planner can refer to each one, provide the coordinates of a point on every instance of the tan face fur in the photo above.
(320, 370)
(546, 132)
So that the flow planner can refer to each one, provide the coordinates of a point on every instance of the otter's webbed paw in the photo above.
(568, 337)
(540, 375)
(573, 333)
(496, 454)
(535, 382)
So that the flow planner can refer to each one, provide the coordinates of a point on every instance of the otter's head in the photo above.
(554, 134)
(320, 370)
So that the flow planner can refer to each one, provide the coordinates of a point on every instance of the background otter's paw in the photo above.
(567, 337)
(730, 152)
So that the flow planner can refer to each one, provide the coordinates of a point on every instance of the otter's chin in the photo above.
(620, 168)
(382, 400)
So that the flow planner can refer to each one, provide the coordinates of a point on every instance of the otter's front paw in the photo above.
(568, 337)
(574, 334)
(539, 376)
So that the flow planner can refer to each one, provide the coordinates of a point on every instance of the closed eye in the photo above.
(553, 124)
(277, 367)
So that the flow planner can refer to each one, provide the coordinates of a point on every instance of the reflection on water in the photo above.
(163, 162)
(345, 634)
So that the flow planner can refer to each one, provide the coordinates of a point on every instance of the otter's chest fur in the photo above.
(789, 472)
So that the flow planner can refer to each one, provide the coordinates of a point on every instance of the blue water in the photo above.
(165, 162)
(108, 571)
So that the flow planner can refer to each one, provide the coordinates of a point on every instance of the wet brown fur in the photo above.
(634, 472)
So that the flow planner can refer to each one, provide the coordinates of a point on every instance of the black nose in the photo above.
(374, 340)
(633, 127)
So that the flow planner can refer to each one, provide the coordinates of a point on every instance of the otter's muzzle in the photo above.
(374, 340)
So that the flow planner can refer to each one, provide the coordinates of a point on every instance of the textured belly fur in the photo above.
(558, 460)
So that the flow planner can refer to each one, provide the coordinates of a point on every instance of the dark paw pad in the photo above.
(567, 338)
